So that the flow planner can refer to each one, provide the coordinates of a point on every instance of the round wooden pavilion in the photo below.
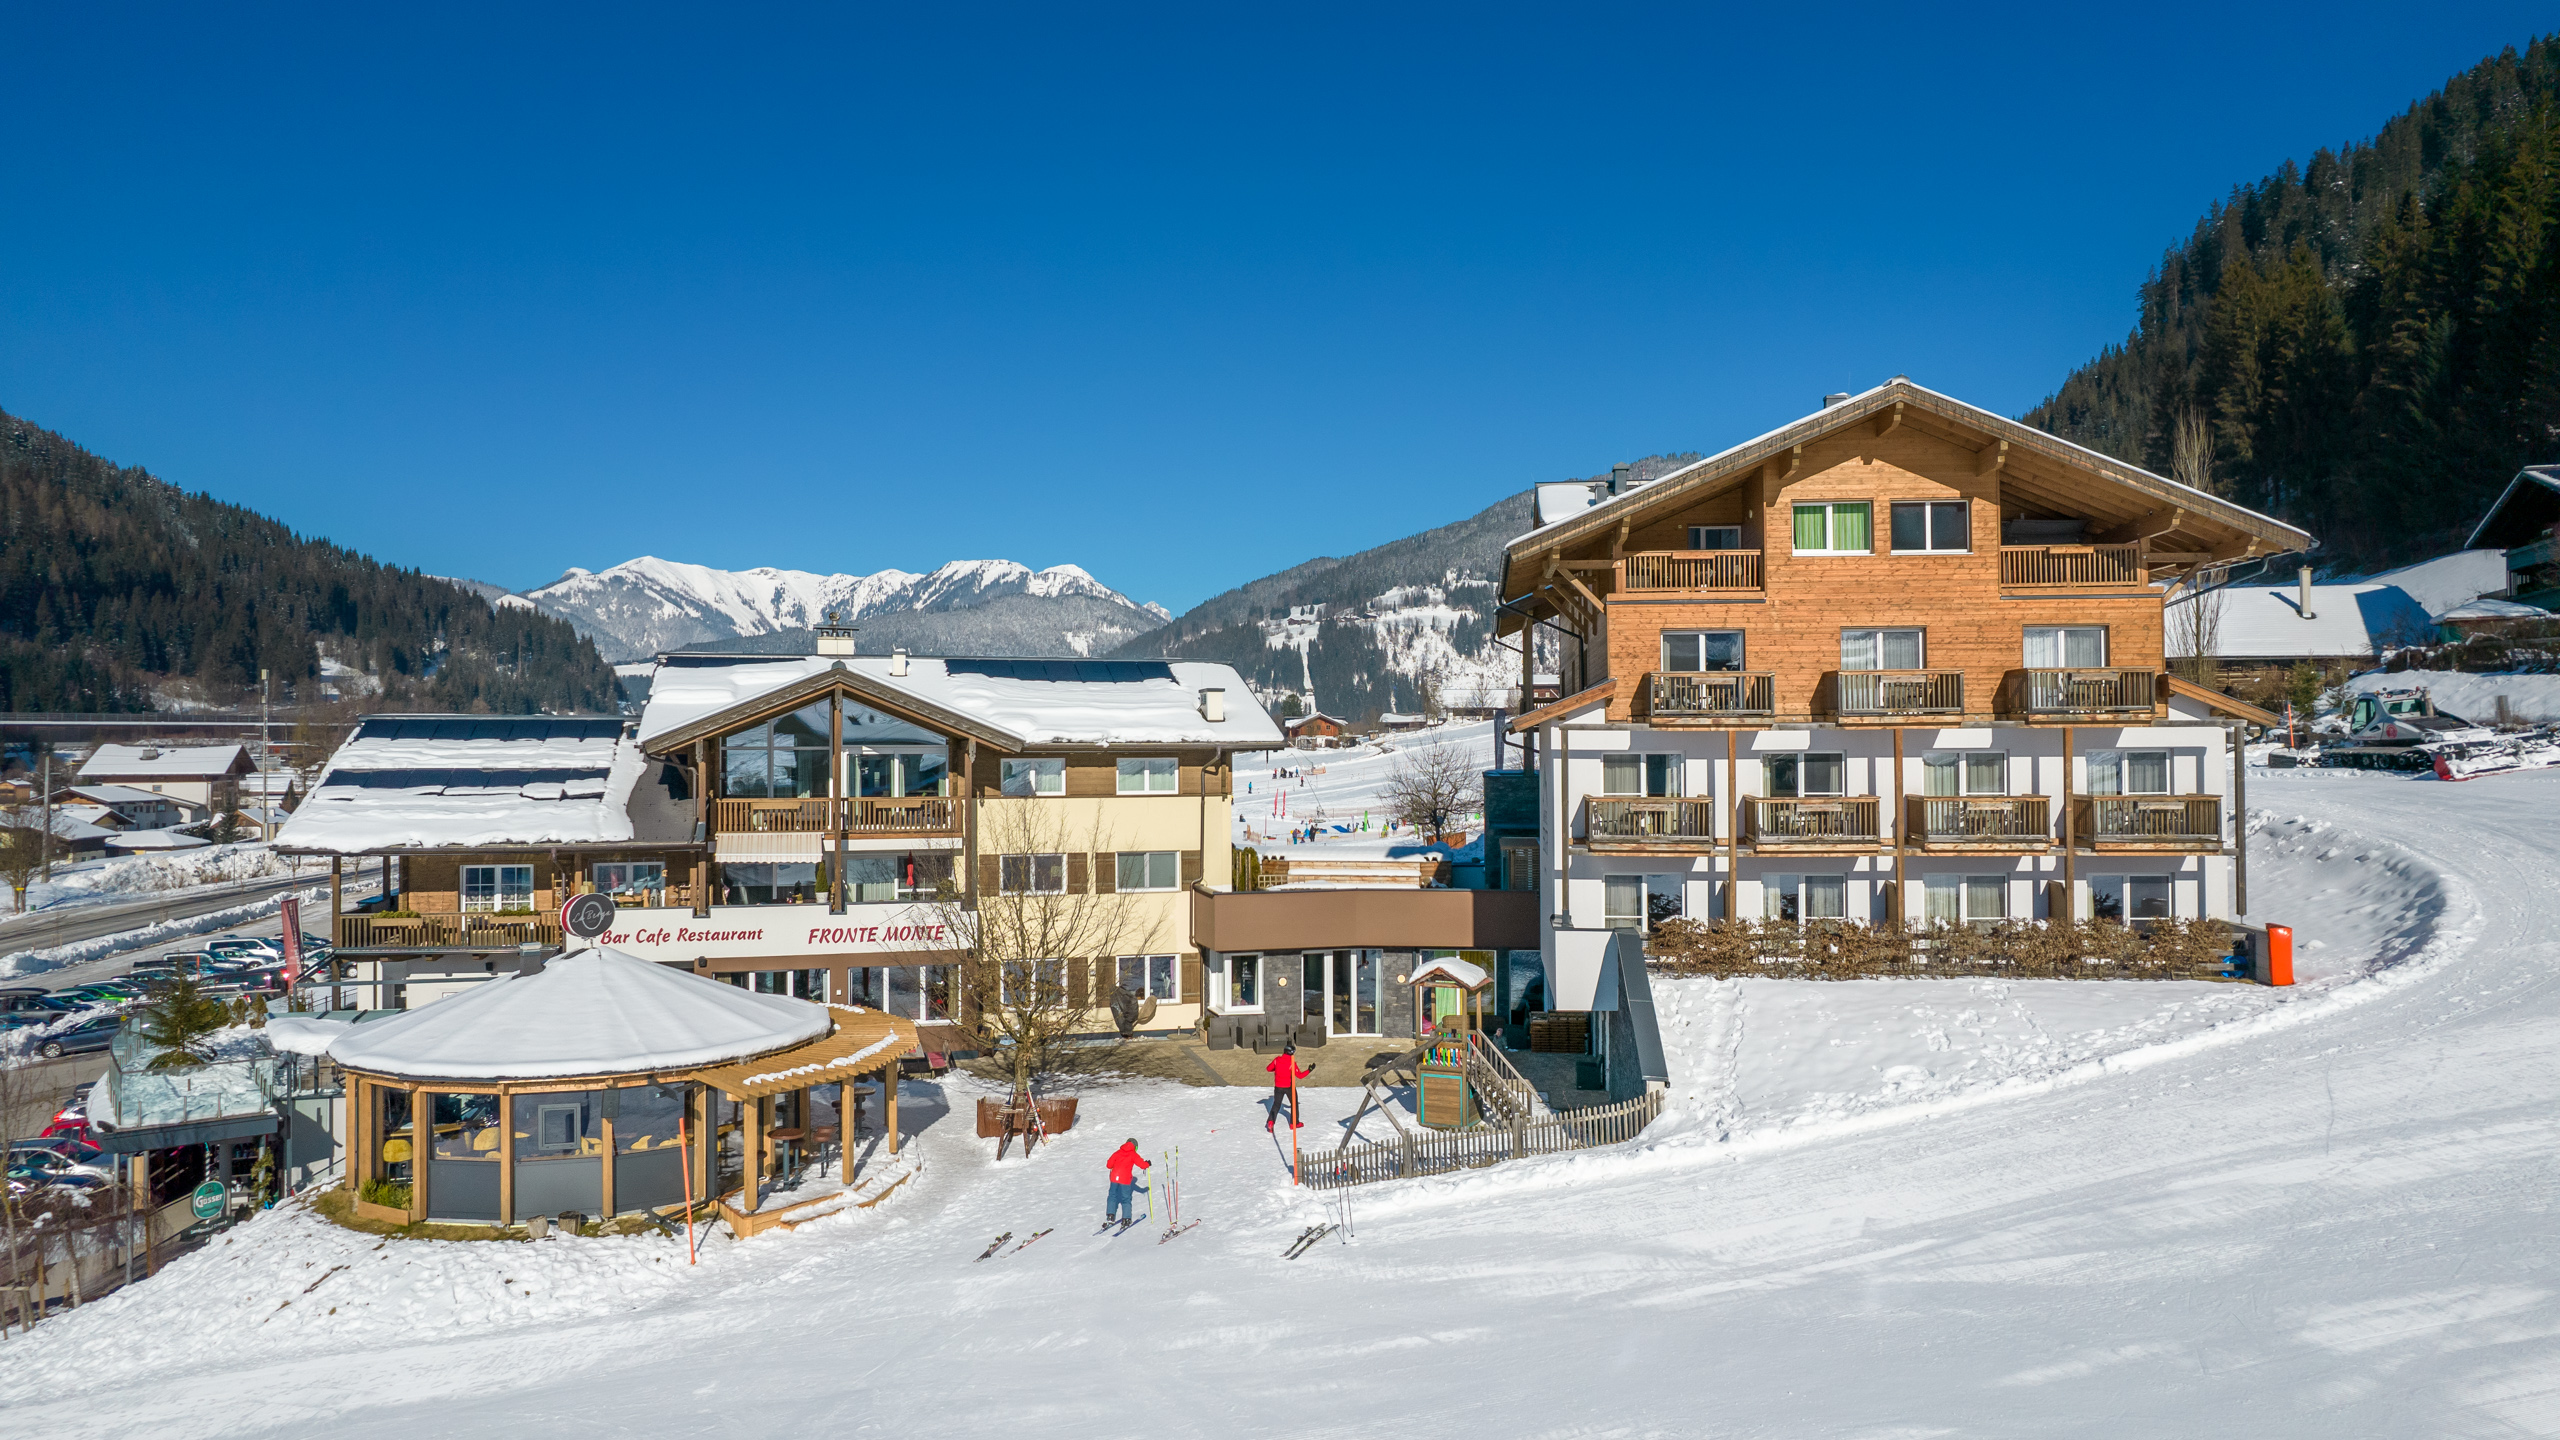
(601, 1084)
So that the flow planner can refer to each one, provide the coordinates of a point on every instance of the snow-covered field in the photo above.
(1337, 787)
(1874, 1208)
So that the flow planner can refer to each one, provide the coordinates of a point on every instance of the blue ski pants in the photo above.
(1123, 1204)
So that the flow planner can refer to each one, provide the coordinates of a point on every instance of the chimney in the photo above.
(1213, 705)
(2305, 576)
(833, 638)
(1618, 478)
(898, 662)
(1830, 400)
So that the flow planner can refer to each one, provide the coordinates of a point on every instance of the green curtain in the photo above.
(1809, 527)
(1849, 527)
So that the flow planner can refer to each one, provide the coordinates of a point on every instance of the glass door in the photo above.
(1349, 981)
(1338, 1013)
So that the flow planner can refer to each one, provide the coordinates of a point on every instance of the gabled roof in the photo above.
(1557, 709)
(2523, 511)
(165, 762)
(455, 781)
(2260, 622)
(2115, 491)
(1013, 704)
(1294, 721)
(2228, 705)
(120, 795)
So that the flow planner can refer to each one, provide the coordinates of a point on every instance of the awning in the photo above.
(861, 1042)
(780, 847)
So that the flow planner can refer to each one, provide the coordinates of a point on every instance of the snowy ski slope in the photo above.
(2187, 1210)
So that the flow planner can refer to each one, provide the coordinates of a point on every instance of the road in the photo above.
(88, 922)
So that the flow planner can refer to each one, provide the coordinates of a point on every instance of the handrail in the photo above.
(2150, 817)
(2078, 691)
(1674, 694)
(2072, 565)
(1901, 692)
(1981, 817)
(1690, 570)
(1821, 820)
(1610, 817)
(862, 815)
(1428, 1153)
(1500, 1075)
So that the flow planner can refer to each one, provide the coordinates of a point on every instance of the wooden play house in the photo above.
(1449, 996)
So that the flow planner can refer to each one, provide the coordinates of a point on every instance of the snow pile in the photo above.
(122, 877)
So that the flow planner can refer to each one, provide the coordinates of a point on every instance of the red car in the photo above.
(72, 1124)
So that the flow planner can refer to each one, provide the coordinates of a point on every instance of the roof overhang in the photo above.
(2216, 700)
(787, 698)
(861, 1042)
(2489, 517)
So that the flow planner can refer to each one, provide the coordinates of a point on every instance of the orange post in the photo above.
(684, 1151)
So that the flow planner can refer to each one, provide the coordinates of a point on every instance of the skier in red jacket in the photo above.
(1285, 1075)
(1124, 1165)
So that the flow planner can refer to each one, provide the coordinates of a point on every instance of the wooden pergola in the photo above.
(861, 1043)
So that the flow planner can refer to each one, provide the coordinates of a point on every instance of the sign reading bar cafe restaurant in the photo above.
(885, 930)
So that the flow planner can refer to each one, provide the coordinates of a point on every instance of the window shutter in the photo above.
(990, 875)
(1076, 872)
(1194, 981)
(1106, 873)
(1190, 868)
(1079, 991)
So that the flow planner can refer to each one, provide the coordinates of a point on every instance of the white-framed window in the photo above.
(1882, 650)
(1836, 527)
(1932, 527)
(1149, 870)
(1156, 977)
(1038, 775)
(1815, 772)
(1151, 775)
(1032, 982)
(2066, 647)
(2130, 899)
(1964, 772)
(629, 879)
(1715, 537)
(2128, 772)
(1032, 874)
(1656, 775)
(1236, 983)
(497, 887)
(1804, 897)
(1640, 902)
(1965, 899)
(1692, 652)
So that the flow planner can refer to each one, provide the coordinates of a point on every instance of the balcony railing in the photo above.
(2182, 820)
(1690, 570)
(1837, 820)
(2072, 565)
(447, 931)
(2023, 820)
(909, 815)
(1612, 821)
(2086, 692)
(1714, 694)
(1901, 692)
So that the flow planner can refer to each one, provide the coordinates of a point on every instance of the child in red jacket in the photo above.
(1124, 1165)
(1285, 1075)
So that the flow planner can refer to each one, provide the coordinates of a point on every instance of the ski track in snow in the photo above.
(1999, 1208)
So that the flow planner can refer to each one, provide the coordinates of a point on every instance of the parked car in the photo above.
(72, 1121)
(253, 946)
(86, 1039)
(54, 1164)
(32, 1002)
(114, 994)
(74, 1147)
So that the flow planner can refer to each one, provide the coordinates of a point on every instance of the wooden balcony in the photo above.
(1654, 570)
(2005, 823)
(1890, 694)
(2026, 567)
(2147, 822)
(448, 931)
(1609, 822)
(910, 815)
(1711, 695)
(1841, 822)
(2064, 694)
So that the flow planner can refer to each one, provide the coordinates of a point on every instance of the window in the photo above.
(781, 759)
(779, 884)
(1965, 899)
(556, 1127)
(1934, 525)
(2129, 899)
(1032, 874)
(1153, 976)
(2128, 772)
(1793, 777)
(1024, 983)
(1519, 865)
(1880, 650)
(1640, 902)
(1046, 776)
(1657, 775)
(1244, 983)
(1793, 898)
(1841, 528)
(497, 887)
(881, 879)
(883, 774)
(1150, 870)
(2058, 647)
(1151, 776)
(1715, 537)
(1972, 772)
(1692, 651)
(629, 879)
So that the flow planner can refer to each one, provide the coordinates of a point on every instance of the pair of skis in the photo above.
(998, 1244)
(1307, 1238)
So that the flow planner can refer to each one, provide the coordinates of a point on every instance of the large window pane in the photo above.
(2105, 772)
(1046, 776)
(1663, 899)
(1622, 906)
(1152, 775)
(1826, 897)
(1812, 527)
(1910, 527)
(871, 879)
(1823, 774)
(1781, 899)
(1849, 528)
(2106, 898)
(2146, 772)
(925, 877)
(1786, 777)
(2147, 896)
(1948, 527)
(1621, 774)
(1682, 651)
(1900, 649)
(2044, 648)
(1985, 897)
(875, 776)
(1941, 899)
(768, 884)
(1662, 775)
(1858, 650)
(2084, 647)
(1986, 774)
(922, 774)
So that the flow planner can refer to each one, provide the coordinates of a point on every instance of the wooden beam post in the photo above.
(1732, 819)
(604, 1176)
(752, 1113)
(2070, 898)
(889, 1105)
(142, 1197)
(1989, 458)
(702, 836)
(506, 1157)
(836, 799)
(1900, 821)
(422, 1140)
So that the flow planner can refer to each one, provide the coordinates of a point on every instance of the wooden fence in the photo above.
(1415, 1153)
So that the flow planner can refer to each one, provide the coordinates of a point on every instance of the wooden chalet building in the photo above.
(789, 823)
(1314, 730)
(1901, 660)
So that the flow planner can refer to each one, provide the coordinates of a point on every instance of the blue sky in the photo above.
(1182, 298)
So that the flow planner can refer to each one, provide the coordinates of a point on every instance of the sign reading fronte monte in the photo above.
(780, 930)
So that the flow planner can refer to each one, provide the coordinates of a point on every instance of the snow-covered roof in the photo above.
(2498, 528)
(2490, 607)
(1465, 972)
(163, 762)
(1022, 703)
(2347, 621)
(153, 840)
(1392, 718)
(418, 781)
(304, 1034)
(593, 1012)
(119, 795)
(2449, 580)
(1294, 721)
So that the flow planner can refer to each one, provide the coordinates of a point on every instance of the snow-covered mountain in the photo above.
(643, 606)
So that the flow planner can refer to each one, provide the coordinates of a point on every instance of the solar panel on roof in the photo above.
(1106, 672)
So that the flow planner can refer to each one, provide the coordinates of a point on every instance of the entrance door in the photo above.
(1340, 1020)
(1350, 979)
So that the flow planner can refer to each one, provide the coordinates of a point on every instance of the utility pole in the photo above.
(44, 805)
(266, 821)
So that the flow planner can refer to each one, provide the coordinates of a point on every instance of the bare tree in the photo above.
(22, 848)
(2195, 632)
(1428, 788)
(2191, 451)
(1042, 944)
